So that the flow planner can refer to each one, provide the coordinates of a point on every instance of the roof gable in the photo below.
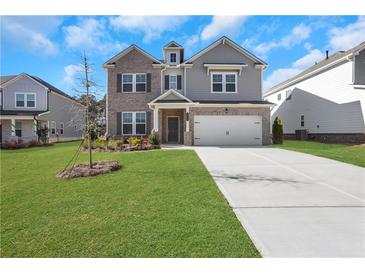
(112, 60)
(226, 41)
(324, 64)
(171, 96)
(172, 44)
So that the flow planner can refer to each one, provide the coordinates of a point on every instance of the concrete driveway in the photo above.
(292, 204)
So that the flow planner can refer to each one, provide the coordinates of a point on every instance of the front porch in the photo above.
(18, 128)
(171, 118)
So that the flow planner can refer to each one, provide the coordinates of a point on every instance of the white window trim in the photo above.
(134, 83)
(62, 126)
(26, 99)
(171, 75)
(223, 82)
(53, 126)
(134, 123)
(175, 57)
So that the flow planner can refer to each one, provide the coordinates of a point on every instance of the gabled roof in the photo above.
(324, 64)
(177, 95)
(9, 79)
(172, 44)
(226, 40)
(112, 60)
(4, 79)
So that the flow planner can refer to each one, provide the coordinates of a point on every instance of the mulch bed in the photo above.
(124, 148)
(83, 170)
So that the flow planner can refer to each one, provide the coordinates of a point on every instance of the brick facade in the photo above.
(335, 138)
(263, 112)
(132, 62)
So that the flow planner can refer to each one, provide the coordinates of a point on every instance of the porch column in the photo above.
(187, 119)
(35, 127)
(155, 119)
(12, 127)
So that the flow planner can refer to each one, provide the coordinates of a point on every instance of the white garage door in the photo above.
(228, 130)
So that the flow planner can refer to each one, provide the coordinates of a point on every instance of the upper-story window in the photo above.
(288, 95)
(25, 100)
(173, 82)
(224, 82)
(134, 82)
(173, 56)
(279, 96)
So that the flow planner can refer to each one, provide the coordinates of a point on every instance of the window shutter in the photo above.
(149, 122)
(119, 82)
(179, 82)
(119, 123)
(167, 83)
(148, 82)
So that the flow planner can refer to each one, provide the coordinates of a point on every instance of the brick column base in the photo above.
(188, 138)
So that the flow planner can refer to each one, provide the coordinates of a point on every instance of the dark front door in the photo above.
(172, 129)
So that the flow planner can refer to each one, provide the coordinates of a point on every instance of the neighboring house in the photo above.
(212, 98)
(327, 99)
(28, 102)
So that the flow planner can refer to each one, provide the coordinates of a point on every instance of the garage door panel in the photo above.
(228, 130)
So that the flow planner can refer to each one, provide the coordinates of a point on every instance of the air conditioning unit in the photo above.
(301, 134)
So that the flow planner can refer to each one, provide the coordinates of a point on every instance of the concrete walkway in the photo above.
(292, 204)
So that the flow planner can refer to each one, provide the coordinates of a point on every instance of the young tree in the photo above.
(87, 96)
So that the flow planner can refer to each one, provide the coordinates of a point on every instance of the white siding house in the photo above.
(327, 99)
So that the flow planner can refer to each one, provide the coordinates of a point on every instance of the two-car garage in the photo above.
(227, 130)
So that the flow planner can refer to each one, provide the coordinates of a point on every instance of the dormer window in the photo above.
(173, 57)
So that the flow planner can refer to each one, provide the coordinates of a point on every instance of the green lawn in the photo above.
(345, 153)
(160, 204)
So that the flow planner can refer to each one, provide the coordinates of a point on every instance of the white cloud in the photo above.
(152, 27)
(91, 35)
(348, 36)
(70, 73)
(31, 32)
(282, 74)
(298, 34)
(222, 25)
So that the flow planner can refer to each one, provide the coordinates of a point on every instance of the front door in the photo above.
(173, 129)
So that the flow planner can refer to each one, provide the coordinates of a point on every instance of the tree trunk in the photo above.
(90, 151)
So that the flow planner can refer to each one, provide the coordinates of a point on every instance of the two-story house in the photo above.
(211, 98)
(28, 102)
(327, 99)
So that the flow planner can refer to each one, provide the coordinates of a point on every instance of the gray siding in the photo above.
(24, 85)
(66, 111)
(320, 115)
(198, 84)
(359, 73)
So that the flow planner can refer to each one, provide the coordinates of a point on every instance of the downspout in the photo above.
(162, 70)
(106, 104)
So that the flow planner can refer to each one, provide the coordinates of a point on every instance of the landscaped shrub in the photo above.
(100, 143)
(112, 145)
(277, 131)
(134, 141)
(154, 138)
(119, 144)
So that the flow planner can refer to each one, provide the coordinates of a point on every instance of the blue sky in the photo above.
(50, 46)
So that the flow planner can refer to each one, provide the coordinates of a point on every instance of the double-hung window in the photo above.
(127, 82)
(25, 100)
(141, 82)
(224, 82)
(134, 82)
(18, 128)
(173, 82)
(302, 120)
(62, 128)
(134, 123)
(53, 127)
(172, 58)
